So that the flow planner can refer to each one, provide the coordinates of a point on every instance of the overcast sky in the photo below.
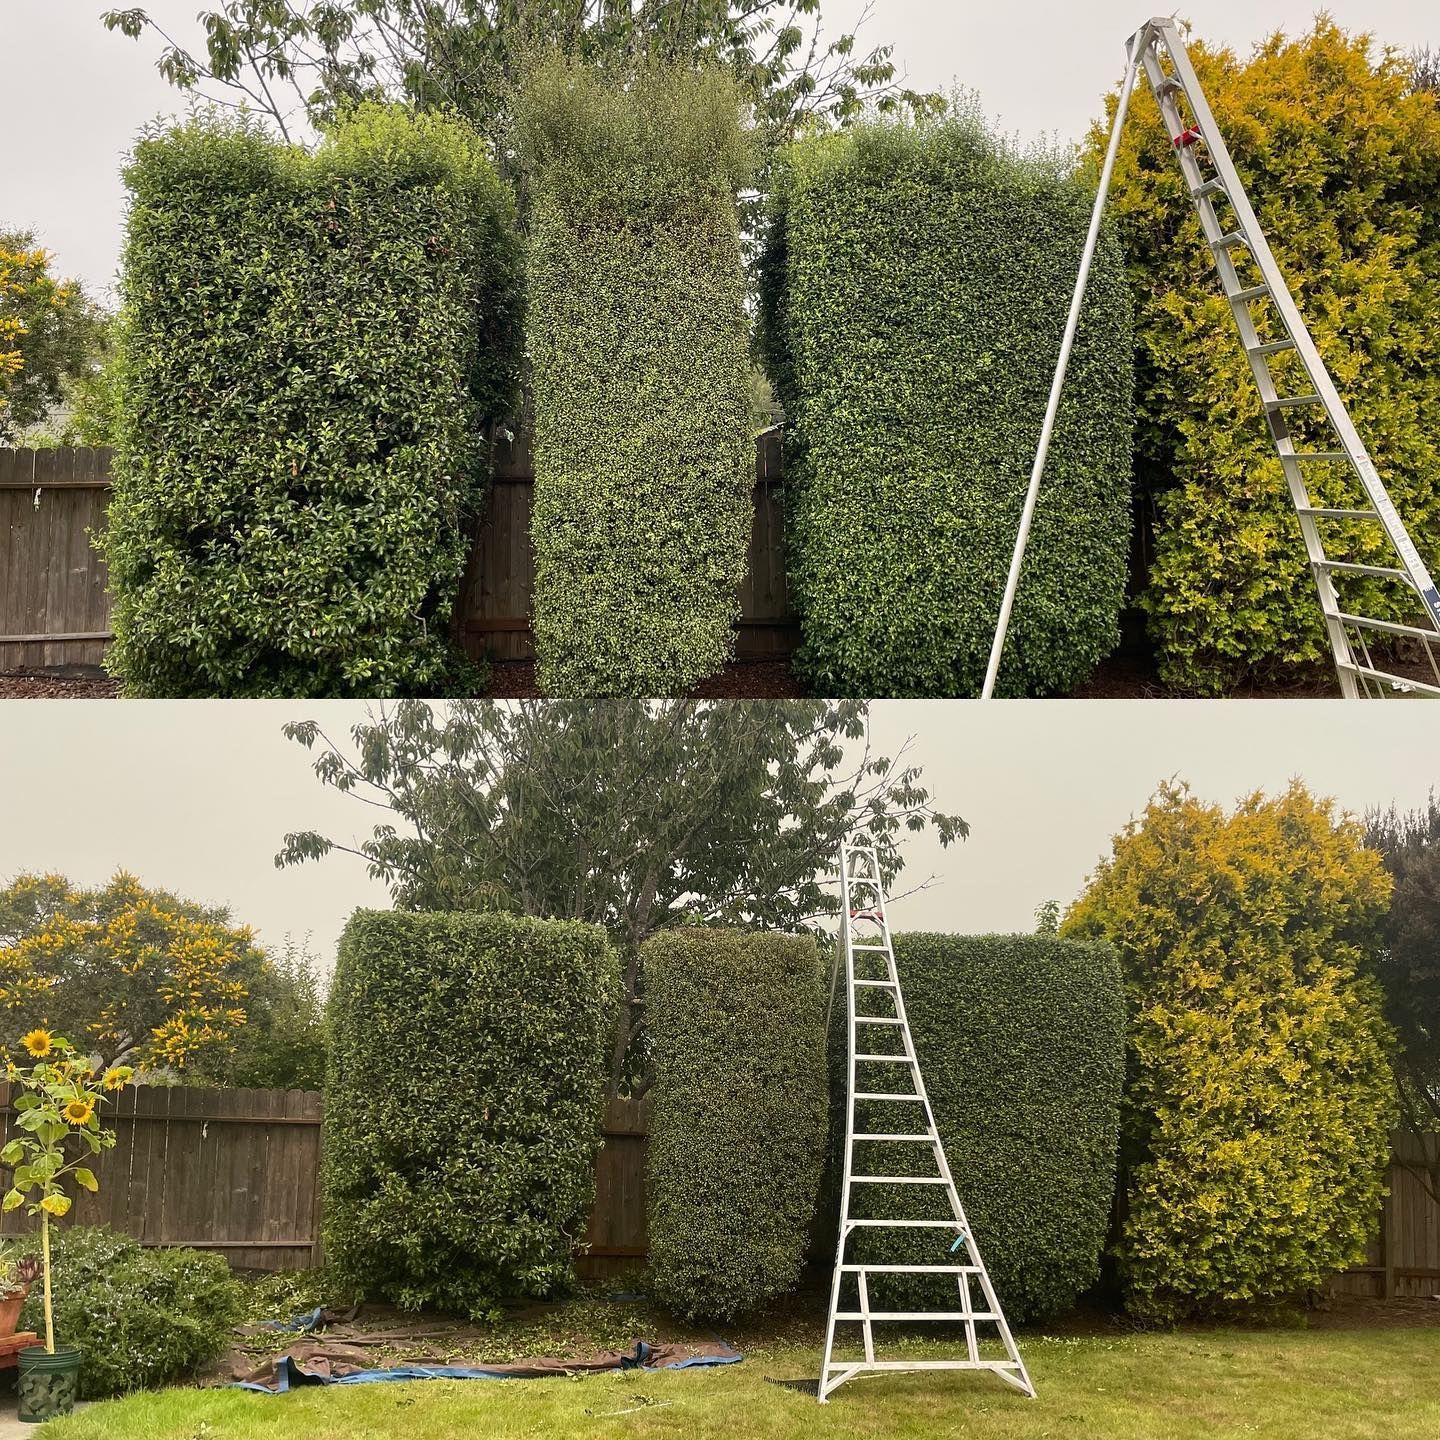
(195, 797)
(74, 95)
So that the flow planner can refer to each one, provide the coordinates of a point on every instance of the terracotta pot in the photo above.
(10, 1311)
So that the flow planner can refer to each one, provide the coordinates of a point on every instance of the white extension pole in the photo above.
(1012, 581)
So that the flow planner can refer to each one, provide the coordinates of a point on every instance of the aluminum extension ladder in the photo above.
(1352, 531)
(870, 972)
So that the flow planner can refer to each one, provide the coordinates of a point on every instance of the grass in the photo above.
(1282, 1384)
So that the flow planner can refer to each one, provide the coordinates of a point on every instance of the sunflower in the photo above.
(38, 1042)
(78, 1112)
(117, 1077)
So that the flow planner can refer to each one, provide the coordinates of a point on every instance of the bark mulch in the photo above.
(56, 685)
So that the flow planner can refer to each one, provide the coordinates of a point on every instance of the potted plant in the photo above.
(58, 1107)
(17, 1275)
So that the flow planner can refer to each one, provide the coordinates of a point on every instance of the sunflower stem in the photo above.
(49, 1309)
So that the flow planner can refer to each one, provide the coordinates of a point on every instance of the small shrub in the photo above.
(737, 1136)
(313, 349)
(639, 343)
(914, 288)
(142, 1318)
(1259, 1097)
(463, 1097)
(1021, 1045)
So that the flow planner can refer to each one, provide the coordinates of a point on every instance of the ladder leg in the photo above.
(1052, 408)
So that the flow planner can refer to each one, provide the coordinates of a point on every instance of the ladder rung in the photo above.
(1170, 85)
(1318, 455)
(1403, 682)
(877, 984)
(1273, 347)
(1350, 567)
(878, 1020)
(903, 1224)
(1210, 187)
(1391, 627)
(916, 1315)
(875, 1135)
(889, 1059)
(859, 1366)
(1292, 402)
(874, 949)
(873, 1095)
(1254, 292)
(1230, 241)
(898, 1180)
(1327, 512)
(912, 1269)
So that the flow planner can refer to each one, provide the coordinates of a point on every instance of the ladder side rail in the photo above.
(844, 1227)
(1295, 325)
(1232, 285)
(1057, 387)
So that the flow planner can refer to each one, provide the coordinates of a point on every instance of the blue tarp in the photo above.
(288, 1372)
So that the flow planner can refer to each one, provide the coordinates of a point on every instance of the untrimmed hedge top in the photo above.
(914, 288)
(314, 346)
(638, 339)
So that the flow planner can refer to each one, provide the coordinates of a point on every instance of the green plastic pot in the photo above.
(49, 1384)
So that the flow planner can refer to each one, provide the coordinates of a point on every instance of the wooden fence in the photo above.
(54, 607)
(1404, 1258)
(55, 610)
(235, 1171)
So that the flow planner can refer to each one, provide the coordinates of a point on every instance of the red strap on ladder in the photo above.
(1188, 137)
(876, 915)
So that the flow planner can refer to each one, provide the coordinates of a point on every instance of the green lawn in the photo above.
(1286, 1384)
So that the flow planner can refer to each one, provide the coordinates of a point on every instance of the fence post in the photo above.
(1389, 1284)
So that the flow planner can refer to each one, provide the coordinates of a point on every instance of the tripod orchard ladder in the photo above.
(1358, 548)
(870, 1124)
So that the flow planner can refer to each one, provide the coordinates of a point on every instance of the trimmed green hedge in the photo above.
(639, 343)
(915, 285)
(313, 349)
(737, 1137)
(463, 1101)
(1021, 1043)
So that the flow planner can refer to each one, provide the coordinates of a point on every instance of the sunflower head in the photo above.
(117, 1077)
(78, 1112)
(38, 1042)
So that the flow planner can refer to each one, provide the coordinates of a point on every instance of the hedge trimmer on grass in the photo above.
(1365, 566)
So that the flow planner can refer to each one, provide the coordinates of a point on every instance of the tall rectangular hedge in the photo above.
(915, 284)
(463, 1097)
(1021, 1044)
(737, 1134)
(314, 346)
(638, 339)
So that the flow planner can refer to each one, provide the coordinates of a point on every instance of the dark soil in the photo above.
(56, 685)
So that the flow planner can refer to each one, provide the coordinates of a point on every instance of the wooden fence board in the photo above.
(55, 608)
(234, 1171)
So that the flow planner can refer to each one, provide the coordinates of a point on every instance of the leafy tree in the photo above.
(127, 973)
(51, 334)
(281, 1046)
(1409, 966)
(629, 814)
(1259, 1099)
(310, 58)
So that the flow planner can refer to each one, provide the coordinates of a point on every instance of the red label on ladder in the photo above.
(1188, 137)
(877, 915)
